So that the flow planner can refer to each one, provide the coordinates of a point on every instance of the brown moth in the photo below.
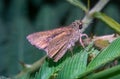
(57, 41)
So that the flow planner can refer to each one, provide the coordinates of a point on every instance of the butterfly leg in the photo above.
(81, 41)
(85, 35)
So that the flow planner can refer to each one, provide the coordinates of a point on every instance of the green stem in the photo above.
(32, 68)
(106, 73)
(97, 8)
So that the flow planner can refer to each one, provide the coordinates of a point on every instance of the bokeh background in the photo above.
(18, 18)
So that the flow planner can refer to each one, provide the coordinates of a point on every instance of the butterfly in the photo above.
(57, 41)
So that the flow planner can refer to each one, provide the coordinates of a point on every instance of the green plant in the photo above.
(80, 65)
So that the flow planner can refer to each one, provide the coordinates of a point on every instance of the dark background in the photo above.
(18, 18)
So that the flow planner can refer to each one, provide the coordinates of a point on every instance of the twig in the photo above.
(32, 68)
(97, 8)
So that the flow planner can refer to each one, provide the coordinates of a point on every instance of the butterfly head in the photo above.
(77, 24)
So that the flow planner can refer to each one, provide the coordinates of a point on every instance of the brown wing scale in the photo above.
(43, 40)
(61, 52)
(57, 43)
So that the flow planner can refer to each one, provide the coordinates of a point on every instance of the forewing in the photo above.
(44, 40)
(59, 41)
(61, 52)
(39, 39)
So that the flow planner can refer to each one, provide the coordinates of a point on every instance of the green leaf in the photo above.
(45, 71)
(109, 21)
(107, 55)
(116, 76)
(74, 66)
(79, 4)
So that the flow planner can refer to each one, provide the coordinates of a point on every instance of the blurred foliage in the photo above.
(18, 18)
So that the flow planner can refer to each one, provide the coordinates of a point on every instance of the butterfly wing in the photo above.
(55, 42)
(58, 42)
(41, 39)
(61, 52)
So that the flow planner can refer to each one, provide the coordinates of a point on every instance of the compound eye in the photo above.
(80, 26)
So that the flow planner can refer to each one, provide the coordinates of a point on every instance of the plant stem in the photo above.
(97, 8)
(32, 68)
(106, 74)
